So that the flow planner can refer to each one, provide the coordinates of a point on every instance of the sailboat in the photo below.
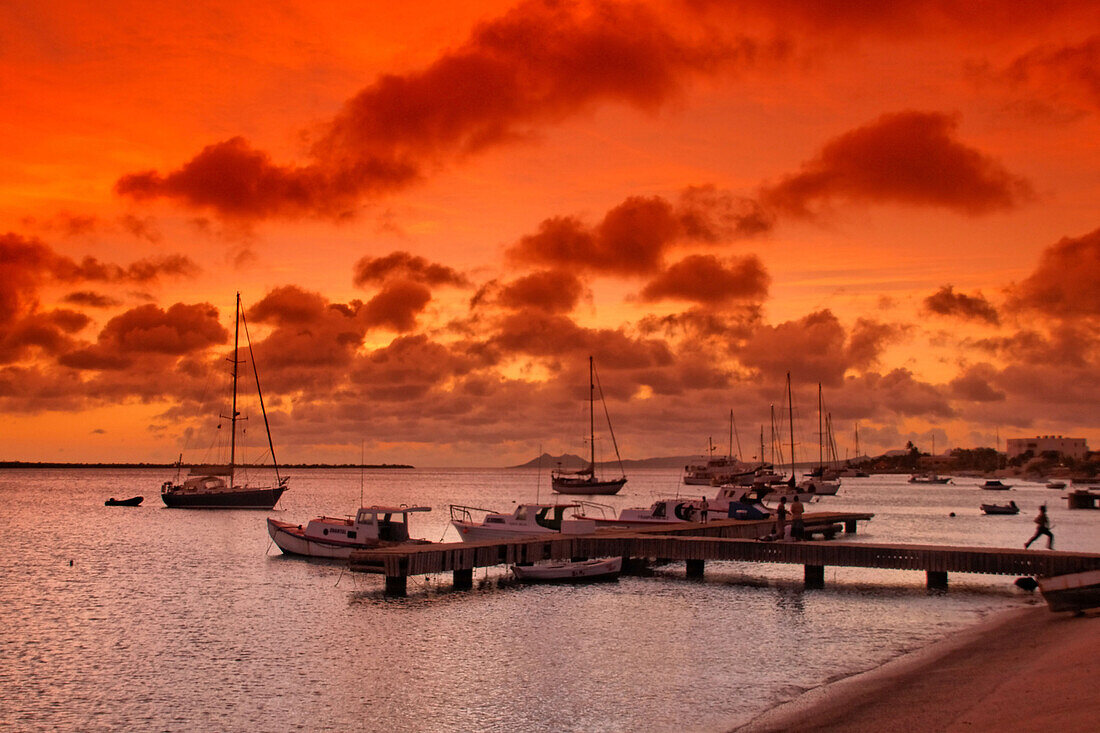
(215, 487)
(585, 480)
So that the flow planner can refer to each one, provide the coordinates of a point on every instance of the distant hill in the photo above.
(572, 462)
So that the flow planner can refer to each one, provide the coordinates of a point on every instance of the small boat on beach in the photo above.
(995, 485)
(524, 521)
(1009, 508)
(338, 537)
(1072, 592)
(132, 501)
(577, 571)
(585, 480)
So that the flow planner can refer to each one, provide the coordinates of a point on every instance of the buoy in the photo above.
(951, 514)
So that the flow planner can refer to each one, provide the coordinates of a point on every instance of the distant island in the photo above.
(44, 464)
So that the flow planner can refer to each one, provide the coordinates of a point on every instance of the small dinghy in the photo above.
(995, 485)
(578, 571)
(1009, 508)
(132, 501)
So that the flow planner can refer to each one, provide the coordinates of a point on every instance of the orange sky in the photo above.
(435, 214)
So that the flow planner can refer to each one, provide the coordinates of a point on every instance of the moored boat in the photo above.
(1055, 484)
(663, 511)
(585, 480)
(216, 487)
(929, 478)
(995, 485)
(524, 521)
(337, 537)
(132, 501)
(1072, 592)
(1009, 508)
(577, 571)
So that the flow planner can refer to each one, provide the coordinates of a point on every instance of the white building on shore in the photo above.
(1072, 447)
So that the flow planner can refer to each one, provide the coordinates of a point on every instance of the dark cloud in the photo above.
(553, 291)
(946, 302)
(1063, 284)
(407, 266)
(149, 331)
(633, 238)
(1066, 73)
(397, 305)
(91, 299)
(541, 62)
(908, 158)
(814, 348)
(710, 280)
(975, 384)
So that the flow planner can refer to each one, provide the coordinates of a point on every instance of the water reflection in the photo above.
(179, 620)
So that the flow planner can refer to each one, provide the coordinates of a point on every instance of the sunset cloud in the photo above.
(708, 279)
(539, 63)
(815, 348)
(1067, 73)
(908, 158)
(1063, 284)
(408, 266)
(947, 302)
(634, 236)
(553, 291)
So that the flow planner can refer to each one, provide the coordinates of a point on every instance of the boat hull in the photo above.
(582, 571)
(588, 488)
(291, 539)
(998, 509)
(1072, 592)
(470, 532)
(265, 498)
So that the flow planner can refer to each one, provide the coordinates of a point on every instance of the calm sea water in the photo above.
(171, 619)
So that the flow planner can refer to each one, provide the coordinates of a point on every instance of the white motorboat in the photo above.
(338, 537)
(524, 521)
(577, 571)
(817, 486)
(663, 511)
(738, 502)
(929, 478)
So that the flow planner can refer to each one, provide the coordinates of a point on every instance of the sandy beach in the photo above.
(1026, 669)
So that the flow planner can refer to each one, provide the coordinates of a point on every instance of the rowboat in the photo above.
(1009, 508)
(132, 501)
(577, 571)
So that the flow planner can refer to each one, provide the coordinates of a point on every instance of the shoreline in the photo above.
(1022, 669)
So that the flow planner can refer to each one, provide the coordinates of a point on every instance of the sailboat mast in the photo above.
(592, 417)
(790, 420)
(234, 413)
(731, 436)
(820, 429)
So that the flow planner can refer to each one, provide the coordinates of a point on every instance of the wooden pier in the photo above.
(721, 540)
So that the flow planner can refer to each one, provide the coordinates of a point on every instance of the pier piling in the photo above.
(464, 579)
(695, 568)
(937, 579)
(815, 576)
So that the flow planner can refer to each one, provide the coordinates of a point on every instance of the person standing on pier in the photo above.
(781, 518)
(1042, 526)
(796, 518)
(704, 509)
